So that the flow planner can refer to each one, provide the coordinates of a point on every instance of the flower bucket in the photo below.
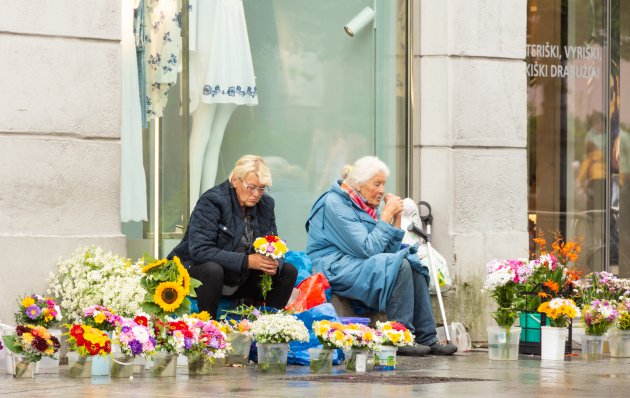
(199, 365)
(241, 345)
(48, 362)
(121, 365)
(22, 367)
(164, 364)
(593, 347)
(272, 358)
(139, 364)
(553, 341)
(78, 365)
(100, 365)
(385, 358)
(321, 360)
(503, 342)
(619, 344)
(356, 359)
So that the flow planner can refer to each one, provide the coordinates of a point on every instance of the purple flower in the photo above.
(187, 343)
(136, 347)
(33, 311)
(152, 340)
(126, 329)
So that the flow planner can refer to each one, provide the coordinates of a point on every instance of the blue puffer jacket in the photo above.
(216, 227)
(359, 255)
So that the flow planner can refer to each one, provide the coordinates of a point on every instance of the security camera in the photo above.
(359, 21)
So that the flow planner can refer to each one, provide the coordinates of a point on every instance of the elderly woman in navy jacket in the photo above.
(359, 250)
(217, 247)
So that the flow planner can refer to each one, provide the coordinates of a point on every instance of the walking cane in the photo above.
(428, 220)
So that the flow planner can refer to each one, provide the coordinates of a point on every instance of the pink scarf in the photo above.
(356, 198)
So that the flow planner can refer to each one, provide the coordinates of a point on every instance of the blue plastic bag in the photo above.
(298, 351)
(301, 262)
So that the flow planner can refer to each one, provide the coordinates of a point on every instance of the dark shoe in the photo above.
(442, 348)
(415, 350)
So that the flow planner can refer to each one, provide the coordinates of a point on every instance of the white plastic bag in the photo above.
(411, 214)
(458, 334)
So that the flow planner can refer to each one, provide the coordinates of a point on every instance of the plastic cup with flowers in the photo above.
(207, 344)
(364, 339)
(173, 337)
(619, 341)
(560, 311)
(332, 335)
(272, 333)
(168, 286)
(134, 338)
(85, 342)
(30, 343)
(37, 310)
(599, 316)
(392, 335)
(271, 246)
(239, 335)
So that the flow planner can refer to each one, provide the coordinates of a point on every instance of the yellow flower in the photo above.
(27, 337)
(184, 277)
(202, 316)
(28, 301)
(153, 265)
(169, 296)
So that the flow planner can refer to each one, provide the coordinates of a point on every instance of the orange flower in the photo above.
(553, 286)
(541, 243)
(543, 295)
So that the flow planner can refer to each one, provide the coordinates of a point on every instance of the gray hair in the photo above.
(252, 164)
(363, 170)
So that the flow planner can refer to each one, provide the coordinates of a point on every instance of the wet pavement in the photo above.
(464, 374)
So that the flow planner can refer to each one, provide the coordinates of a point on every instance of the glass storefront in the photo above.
(324, 99)
(577, 55)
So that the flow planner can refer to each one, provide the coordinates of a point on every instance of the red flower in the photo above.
(398, 326)
(80, 341)
(141, 320)
(76, 331)
(272, 238)
(108, 346)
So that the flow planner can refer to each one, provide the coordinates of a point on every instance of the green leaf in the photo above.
(194, 283)
(151, 308)
(12, 344)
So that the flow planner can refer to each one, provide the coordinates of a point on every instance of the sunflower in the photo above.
(169, 296)
(184, 277)
(150, 266)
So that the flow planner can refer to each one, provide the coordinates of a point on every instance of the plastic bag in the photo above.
(312, 292)
(301, 262)
(298, 351)
(458, 334)
(411, 215)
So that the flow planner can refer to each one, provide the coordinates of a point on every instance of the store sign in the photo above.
(574, 62)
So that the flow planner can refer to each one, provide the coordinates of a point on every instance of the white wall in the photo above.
(470, 139)
(59, 137)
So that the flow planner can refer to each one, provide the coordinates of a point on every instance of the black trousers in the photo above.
(213, 276)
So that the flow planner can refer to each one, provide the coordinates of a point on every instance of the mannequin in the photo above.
(221, 78)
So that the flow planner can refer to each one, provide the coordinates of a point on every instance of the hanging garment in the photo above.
(133, 192)
(221, 68)
(162, 51)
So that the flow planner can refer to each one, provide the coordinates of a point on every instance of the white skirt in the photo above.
(221, 68)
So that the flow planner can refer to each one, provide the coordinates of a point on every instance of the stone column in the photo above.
(470, 131)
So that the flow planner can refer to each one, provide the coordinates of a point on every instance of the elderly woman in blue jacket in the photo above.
(359, 250)
(217, 247)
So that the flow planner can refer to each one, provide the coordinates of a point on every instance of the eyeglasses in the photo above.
(254, 189)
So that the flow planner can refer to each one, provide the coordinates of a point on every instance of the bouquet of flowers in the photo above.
(134, 339)
(91, 276)
(560, 311)
(208, 338)
(363, 336)
(87, 340)
(549, 275)
(623, 320)
(599, 315)
(502, 282)
(270, 246)
(101, 318)
(279, 328)
(38, 310)
(393, 334)
(168, 285)
(173, 335)
(600, 286)
(32, 342)
(332, 334)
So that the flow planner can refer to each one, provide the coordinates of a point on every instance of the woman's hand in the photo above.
(393, 209)
(262, 263)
